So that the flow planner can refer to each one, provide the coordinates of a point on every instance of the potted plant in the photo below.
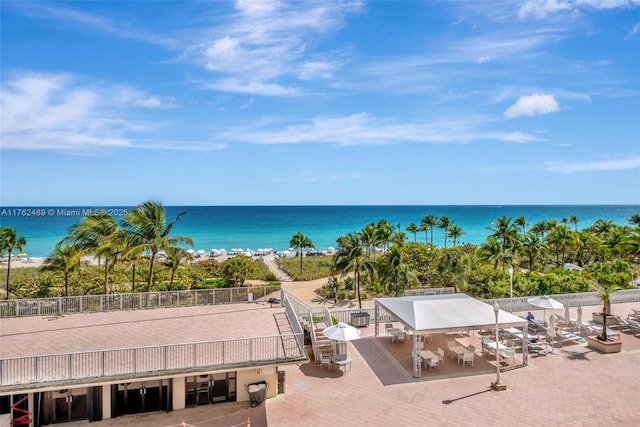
(600, 342)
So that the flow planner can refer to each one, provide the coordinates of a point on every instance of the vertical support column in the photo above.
(178, 393)
(106, 402)
(417, 368)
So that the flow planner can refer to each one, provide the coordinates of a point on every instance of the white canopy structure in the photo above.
(432, 314)
(446, 313)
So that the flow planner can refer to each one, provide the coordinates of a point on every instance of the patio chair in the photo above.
(325, 360)
(509, 354)
(565, 337)
(467, 358)
(420, 345)
(387, 326)
(440, 353)
(401, 337)
(431, 363)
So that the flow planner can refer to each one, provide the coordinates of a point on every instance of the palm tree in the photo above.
(395, 272)
(384, 234)
(532, 246)
(97, 234)
(146, 230)
(412, 228)
(542, 227)
(351, 257)
(604, 292)
(368, 235)
(173, 259)
(506, 231)
(521, 222)
(301, 242)
(574, 220)
(635, 219)
(455, 232)
(492, 251)
(65, 259)
(10, 241)
(427, 224)
(630, 246)
(561, 238)
(444, 223)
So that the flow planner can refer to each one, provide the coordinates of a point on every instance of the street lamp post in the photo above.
(497, 385)
(510, 281)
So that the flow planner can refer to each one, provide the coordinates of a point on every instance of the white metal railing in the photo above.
(571, 300)
(132, 301)
(293, 320)
(428, 291)
(140, 361)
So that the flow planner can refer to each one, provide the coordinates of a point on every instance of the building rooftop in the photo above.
(30, 336)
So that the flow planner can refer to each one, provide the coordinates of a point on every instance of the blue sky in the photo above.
(316, 102)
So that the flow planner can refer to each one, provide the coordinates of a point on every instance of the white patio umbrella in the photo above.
(341, 332)
(551, 333)
(544, 302)
(579, 320)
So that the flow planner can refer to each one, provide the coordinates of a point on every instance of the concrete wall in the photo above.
(179, 393)
(268, 374)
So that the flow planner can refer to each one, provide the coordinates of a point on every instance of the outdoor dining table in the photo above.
(427, 354)
(457, 351)
(342, 360)
(501, 347)
(394, 332)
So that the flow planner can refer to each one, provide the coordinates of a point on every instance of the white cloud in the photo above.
(365, 129)
(541, 8)
(265, 48)
(483, 59)
(634, 31)
(251, 87)
(63, 112)
(532, 105)
(606, 165)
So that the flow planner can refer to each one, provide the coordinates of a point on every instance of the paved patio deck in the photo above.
(577, 387)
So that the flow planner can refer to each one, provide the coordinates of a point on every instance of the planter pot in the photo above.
(604, 346)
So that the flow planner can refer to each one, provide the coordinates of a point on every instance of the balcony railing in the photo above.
(94, 366)
(133, 301)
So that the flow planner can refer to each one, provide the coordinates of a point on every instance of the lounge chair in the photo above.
(565, 337)
(537, 327)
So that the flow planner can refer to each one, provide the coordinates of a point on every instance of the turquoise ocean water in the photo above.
(254, 227)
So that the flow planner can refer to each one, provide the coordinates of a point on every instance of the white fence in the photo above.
(569, 300)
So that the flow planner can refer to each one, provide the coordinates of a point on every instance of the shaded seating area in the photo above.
(450, 314)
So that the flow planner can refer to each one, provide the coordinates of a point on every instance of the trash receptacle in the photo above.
(257, 392)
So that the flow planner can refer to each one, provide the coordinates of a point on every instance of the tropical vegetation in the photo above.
(141, 252)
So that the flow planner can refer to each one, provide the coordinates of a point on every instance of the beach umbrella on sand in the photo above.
(544, 302)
